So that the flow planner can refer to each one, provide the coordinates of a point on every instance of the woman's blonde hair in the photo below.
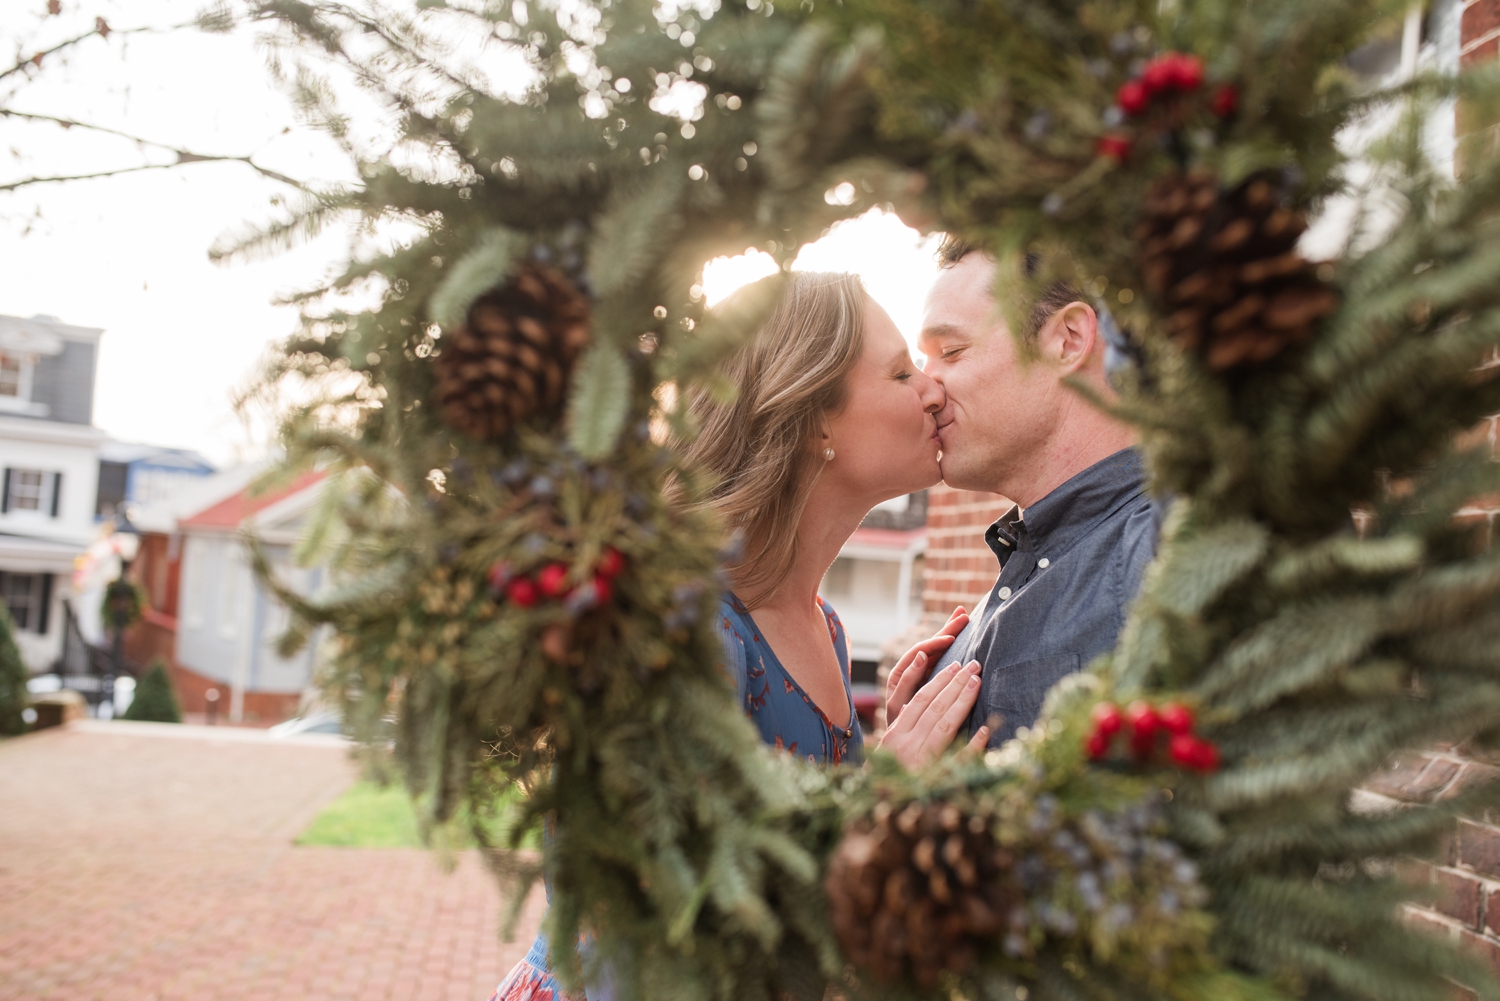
(791, 375)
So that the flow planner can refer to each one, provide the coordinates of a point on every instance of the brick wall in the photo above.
(1466, 872)
(960, 567)
(1479, 31)
(1479, 40)
(1464, 875)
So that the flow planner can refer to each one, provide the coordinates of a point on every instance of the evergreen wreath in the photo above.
(539, 614)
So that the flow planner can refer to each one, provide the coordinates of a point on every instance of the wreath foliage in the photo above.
(540, 614)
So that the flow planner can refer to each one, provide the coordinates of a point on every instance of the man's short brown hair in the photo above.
(1053, 298)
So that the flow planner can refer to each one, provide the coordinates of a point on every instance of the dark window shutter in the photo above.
(43, 613)
(5, 493)
(56, 492)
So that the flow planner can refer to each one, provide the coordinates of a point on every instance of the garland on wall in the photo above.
(520, 592)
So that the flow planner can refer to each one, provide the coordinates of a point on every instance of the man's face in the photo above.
(1002, 406)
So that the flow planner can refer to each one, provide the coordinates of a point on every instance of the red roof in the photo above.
(886, 538)
(234, 509)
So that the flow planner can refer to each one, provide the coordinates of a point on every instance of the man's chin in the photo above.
(956, 475)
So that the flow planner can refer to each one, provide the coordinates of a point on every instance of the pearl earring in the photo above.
(828, 454)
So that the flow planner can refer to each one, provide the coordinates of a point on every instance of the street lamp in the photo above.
(121, 605)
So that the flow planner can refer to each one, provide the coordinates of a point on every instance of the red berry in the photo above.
(553, 580)
(1159, 74)
(1097, 744)
(1132, 97)
(611, 563)
(1183, 749)
(1208, 757)
(1115, 147)
(602, 588)
(1226, 100)
(1108, 719)
(1187, 72)
(1176, 718)
(499, 576)
(1194, 752)
(1144, 724)
(522, 591)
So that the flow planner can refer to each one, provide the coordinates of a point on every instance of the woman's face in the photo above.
(885, 439)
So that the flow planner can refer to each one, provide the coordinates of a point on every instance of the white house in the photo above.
(49, 454)
(227, 623)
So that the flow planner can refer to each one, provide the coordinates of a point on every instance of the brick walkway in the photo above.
(135, 867)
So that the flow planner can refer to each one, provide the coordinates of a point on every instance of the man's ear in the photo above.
(1070, 336)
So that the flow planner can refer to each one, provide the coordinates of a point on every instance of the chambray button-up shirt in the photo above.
(1069, 570)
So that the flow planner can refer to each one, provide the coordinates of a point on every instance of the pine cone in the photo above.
(512, 358)
(1225, 267)
(919, 890)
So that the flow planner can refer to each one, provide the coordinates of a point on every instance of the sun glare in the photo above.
(897, 264)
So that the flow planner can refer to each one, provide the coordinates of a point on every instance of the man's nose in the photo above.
(935, 396)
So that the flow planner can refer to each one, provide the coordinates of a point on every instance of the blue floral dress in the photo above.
(787, 719)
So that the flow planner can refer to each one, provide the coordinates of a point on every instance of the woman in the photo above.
(831, 418)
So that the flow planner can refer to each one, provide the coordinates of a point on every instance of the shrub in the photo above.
(13, 695)
(154, 699)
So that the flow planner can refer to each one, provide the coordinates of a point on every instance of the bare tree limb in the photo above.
(101, 28)
(181, 156)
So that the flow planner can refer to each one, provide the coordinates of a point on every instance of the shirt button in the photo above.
(1044, 563)
(1004, 593)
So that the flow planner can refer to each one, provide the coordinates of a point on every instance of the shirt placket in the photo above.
(1016, 569)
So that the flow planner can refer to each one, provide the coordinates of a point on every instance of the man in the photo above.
(1074, 548)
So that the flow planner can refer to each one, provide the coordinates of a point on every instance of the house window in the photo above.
(26, 596)
(32, 490)
(10, 374)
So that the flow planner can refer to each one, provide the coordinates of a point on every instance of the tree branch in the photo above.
(181, 156)
(102, 29)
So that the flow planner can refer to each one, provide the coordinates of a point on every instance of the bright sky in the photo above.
(129, 254)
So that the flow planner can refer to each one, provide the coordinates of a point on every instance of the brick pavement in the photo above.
(137, 868)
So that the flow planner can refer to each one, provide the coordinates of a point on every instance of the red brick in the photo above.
(192, 887)
(1414, 871)
(1459, 895)
(1414, 777)
(1472, 775)
(1480, 18)
(1430, 923)
(1479, 53)
(1481, 947)
(1446, 852)
(1479, 847)
(1480, 435)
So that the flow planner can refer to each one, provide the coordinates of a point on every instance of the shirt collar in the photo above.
(1072, 510)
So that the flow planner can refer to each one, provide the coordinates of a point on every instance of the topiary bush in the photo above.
(13, 695)
(154, 700)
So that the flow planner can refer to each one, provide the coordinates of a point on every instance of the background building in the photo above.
(133, 476)
(49, 454)
(209, 618)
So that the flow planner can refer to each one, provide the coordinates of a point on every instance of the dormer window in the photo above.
(10, 374)
(16, 371)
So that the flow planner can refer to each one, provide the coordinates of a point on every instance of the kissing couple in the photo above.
(833, 417)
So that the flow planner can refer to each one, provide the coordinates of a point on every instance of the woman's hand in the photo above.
(911, 670)
(932, 718)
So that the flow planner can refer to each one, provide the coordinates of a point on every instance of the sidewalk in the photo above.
(143, 862)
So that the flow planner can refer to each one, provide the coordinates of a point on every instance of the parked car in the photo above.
(323, 722)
